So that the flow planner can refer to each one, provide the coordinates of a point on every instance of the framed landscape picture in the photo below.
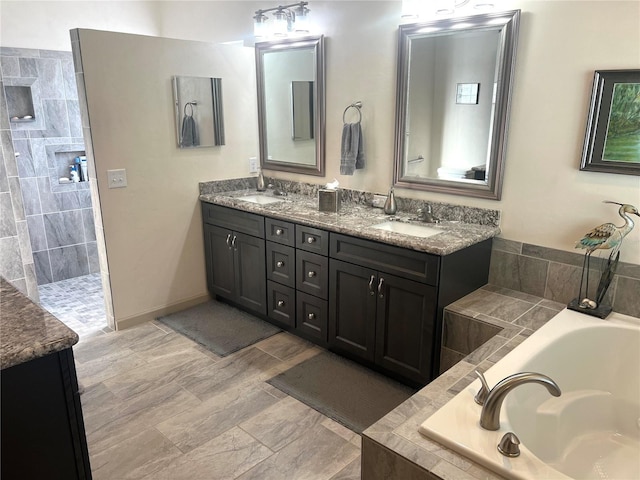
(612, 140)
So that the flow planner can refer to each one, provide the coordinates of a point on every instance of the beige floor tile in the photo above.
(318, 454)
(124, 418)
(283, 346)
(144, 452)
(282, 423)
(224, 457)
(196, 426)
(157, 372)
(108, 365)
(350, 472)
(232, 370)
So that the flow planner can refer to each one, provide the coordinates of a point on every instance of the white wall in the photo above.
(153, 227)
(546, 199)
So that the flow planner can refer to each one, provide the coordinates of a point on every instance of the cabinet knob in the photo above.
(311, 240)
(281, 303)
(311, 316)
(279, 231)
(280, 264)
(311, 274)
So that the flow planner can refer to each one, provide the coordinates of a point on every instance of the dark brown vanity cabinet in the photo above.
(386, 301)
(281, 273)
(235, 256)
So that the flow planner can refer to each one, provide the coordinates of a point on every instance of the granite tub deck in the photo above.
(27, 331)
(392, 448)
(357, 219)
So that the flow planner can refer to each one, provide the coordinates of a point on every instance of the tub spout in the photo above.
(490, 416)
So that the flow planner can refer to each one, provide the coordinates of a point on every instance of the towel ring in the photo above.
(357, 105)
(189, 104)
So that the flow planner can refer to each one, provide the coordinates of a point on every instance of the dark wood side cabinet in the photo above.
(42, 427)
(235, 256)
(385, 303)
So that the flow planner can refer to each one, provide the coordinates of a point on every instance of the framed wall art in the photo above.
(612, 139)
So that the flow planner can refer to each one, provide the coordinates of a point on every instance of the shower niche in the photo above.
(198, 111)
(20, 104)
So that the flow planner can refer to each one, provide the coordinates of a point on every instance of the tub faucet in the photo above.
(490, 416)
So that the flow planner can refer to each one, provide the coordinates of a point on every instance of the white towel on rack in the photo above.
(352, 148)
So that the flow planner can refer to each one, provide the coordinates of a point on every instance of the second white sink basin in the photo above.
(261, 199)
(408, 229)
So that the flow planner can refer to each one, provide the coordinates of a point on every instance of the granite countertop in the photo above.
(356, 219)
(27, 331)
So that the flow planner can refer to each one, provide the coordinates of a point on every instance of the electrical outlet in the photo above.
(378, 201)
(253, 165)
(117, 178)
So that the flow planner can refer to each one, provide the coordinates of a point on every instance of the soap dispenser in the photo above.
(260, 184)
(390, 206)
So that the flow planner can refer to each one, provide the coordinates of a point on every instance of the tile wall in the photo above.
(59, 216)
(555, 274)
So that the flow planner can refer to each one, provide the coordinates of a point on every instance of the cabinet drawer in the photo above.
(281, 266)
(280, 232)
(418, 266)
(312, 240)
(311, 318)
(281, 302)
(312, 275)
(236, 220)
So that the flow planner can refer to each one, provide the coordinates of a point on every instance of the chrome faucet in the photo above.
(490, 416)
(427, 216)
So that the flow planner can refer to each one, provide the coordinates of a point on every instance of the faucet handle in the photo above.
(509, 446)
(483, 393)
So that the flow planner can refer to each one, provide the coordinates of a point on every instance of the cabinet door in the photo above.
(219, 260)
(250, 272)
(352, 309)
(405, 327)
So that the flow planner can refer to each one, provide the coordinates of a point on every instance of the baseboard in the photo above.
(151, 315)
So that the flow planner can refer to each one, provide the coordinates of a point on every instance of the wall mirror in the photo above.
(291, 105)
(198, 111)
(452, 103)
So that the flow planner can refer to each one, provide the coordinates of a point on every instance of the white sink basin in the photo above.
(261, 199)
(408, 229)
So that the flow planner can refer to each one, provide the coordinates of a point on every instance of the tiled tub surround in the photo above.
(393, 448)
(555, 274)
(59, 216)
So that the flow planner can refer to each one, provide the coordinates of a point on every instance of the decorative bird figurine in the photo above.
(604, 237)
(608, 235)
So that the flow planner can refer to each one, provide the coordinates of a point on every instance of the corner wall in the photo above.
(152, 228)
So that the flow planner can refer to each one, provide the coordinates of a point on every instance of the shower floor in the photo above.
(78, 303)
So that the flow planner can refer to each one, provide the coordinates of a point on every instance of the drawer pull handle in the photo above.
(280, 264)
(380, 285)
(311, 316)
(279, 231)
(311, 274)
(233, 242)
(229, 241)
(281, 303)
(311, 240)
(371, 280)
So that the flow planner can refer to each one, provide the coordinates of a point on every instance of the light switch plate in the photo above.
(253, 165)
(117, 178)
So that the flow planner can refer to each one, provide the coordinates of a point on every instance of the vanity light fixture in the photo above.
(288, 20)
(414, 10)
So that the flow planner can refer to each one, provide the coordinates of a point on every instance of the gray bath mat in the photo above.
(342, 390)
(219, 327)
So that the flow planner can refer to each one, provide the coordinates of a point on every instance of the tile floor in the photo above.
(78, 303)
(159, 406)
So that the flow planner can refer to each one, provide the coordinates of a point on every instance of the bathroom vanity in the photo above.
(43, 432)
(373, 295)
